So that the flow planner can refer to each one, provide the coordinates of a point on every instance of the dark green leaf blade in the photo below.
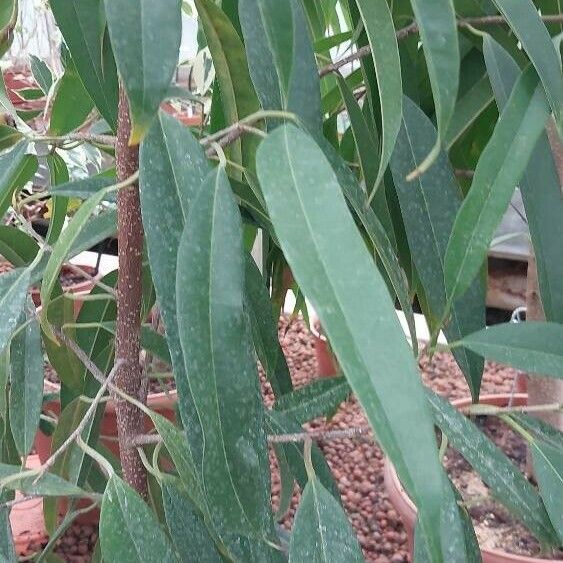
(145, 37)
(500, 167)
(13, 290)
(312, 220)
(129, 530)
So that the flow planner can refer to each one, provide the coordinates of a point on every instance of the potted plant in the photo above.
(365, 210)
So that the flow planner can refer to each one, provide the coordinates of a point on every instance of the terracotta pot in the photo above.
(26, 520)
(407, 510)
(327, 365)
(79, 287)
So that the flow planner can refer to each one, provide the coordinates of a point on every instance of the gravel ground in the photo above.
(357, 466)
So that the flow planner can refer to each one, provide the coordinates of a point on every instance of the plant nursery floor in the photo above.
(357, 466)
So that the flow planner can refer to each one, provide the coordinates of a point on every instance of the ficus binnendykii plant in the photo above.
(371, 146)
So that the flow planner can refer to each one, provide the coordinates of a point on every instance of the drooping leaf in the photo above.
(265, 330)
(378, 24)
(71, 104)
(504, 479)
(41, 72)
(539, 429)
(540, 188)
(16, 246)
(281, 59)
(58, 173)
(215, 336)
(82, 23)
(527, 25)
(500, 167)
(188, 531)
(548, 469)
(86, 187)
(145, 37)
(238, 98)
(321, 531)
(428, 207)
(438, 34)
(128, 529)
(172, 167)
(26, 382)
(320, 398)
(311, 220)
(11, 166)
(534, 347)
(13, 290)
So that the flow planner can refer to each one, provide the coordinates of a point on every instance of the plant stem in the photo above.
(128, 379)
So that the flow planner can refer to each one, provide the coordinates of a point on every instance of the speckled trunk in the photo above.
(129, 293)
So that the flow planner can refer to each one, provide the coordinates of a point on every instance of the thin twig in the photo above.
(82, 425)
(361, 433)
(106, 140)
(413, 28)
(95, 280)
(491, 410)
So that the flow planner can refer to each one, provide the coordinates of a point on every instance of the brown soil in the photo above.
(358, 466)
(495, 527)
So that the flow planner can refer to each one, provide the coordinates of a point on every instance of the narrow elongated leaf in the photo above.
(188, 531)
(229, 59)
(312, 220)
(500, 167)
(58, 173)
(41, 73)
(534, 347)
(10, 167)
(468, 108)
(17, 247)
(319, 398)
(172, 166)
(82, 23)
(540, 188)
(281, 59)
(128, 529)
(26, 383)
(506, 482)
(145, 37)
(265, 330)
(438, 33)
(85, 187)
(548, 469)
(48, 485)
(214, 337)
(429, 205)
(539, 429)
(7, 547)
(8, 19)
(62, 249)
(378, 24)
(321, 531)
(526, 23)
(13, 290)
(71, 105)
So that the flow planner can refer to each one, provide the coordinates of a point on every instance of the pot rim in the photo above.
(406, 508)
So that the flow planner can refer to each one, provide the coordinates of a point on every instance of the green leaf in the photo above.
(534, 347)
(525, 21)
(188, 531)
(539, 429)
(62, 249)
(265, 330)
(71, 105)
(17, 247)
(504, 479)
(281, 58)
(13, 290)
(47, 485)
(9, 136)
(82, 23)
(499, 169)
(145, 37)
(11, 166)
(26, 382)
(86, 187)
(319, 398)
(58, 173)
(229, 59)
(214, 337)
(41, 72)
(438, 34)
(540, 188)
(312, 221)
(468, 108)
(548, 469)
(128, 529)
(378, 24)
(429, 205)
(7, 548)
(321, 531)
(172, 167)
